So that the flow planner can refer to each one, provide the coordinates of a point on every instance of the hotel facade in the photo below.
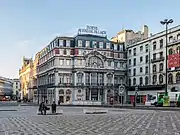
(85, 69)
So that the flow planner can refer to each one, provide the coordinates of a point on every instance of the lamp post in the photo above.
(166, 22)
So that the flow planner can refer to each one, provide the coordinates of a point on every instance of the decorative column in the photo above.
(90, 94)
(84, 78)
(105, 96)
(56, 78)
(56, 92)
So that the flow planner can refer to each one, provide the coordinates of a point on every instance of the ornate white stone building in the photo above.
(86, 69)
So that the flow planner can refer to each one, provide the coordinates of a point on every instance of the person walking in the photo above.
(53, 107)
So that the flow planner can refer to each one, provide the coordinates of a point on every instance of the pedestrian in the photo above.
(41, 108)
(53, 107)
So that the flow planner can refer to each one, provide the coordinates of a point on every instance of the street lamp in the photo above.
(166, 22)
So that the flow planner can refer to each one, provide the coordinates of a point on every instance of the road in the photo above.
(25, 121)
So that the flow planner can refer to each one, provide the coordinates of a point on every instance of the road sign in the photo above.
(121, 89)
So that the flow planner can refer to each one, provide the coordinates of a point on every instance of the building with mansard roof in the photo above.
(85, 69)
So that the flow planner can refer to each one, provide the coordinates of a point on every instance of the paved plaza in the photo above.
(25, 121)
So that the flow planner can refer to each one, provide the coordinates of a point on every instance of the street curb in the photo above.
(120, 107)
(8, 110)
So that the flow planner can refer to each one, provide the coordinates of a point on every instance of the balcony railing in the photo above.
(157, 59)
(174, 41)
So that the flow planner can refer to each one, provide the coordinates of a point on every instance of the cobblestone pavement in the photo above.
(74, 122)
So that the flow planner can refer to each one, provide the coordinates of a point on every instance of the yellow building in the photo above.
(129, 36)
(28, 77)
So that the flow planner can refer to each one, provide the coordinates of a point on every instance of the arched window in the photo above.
(129, 82)
(154, 79)
(160, 78)
(170, 79)
(161, 67)
(154, 68)
(134, 81)
(95, 62)
(61, 91)
(140, 80)
(178, 49)
(178, 78)
(170, 51)
(178, 36)
(68, 91)
(170, 39)
(146, 80)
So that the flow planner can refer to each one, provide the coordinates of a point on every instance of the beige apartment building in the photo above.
(28, 78)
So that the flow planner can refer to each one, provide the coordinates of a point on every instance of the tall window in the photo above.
(140, 80)
(141, 59)
(115, 64)
(87, 77)
(129, 72)
(108, 45)
(141, 69)
(68, 79)
(87, 43)
(178, 78)
(101, 45)
(147, 58)
(170, 51)
(129, 82)
(129, 52)
(134, 72)
(178, 49)
(79, 43)
(161, 55)
(154, 68)
(101, 78)
(146, 70)
(61, 79)
(129, 62)
(154, 79)
(61, 42)
(67, 43)
(61, 61)
(170, 79)
(141, 48)
(79, 77)
(134, 60)
(134, 81)
(109, 63)
(160, 78)
(147, 48)
(178, 36)
(154, 56)
(161, 43)
(154, 45)
(161, 67)
(68, 62)
(146, 80)
(134, 51)
(170, 39)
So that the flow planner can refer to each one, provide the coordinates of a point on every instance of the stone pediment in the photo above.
(95, 53)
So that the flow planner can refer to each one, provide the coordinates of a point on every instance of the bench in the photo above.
(95, 111)
(48, 112)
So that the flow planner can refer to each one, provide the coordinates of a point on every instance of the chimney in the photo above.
(145, 31)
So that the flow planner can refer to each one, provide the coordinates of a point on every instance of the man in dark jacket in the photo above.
(53, 107)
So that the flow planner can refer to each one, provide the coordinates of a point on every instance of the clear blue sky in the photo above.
(26, 26)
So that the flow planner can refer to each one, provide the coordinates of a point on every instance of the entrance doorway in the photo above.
(61, 99)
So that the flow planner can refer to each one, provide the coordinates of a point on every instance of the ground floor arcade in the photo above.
(69, 95)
